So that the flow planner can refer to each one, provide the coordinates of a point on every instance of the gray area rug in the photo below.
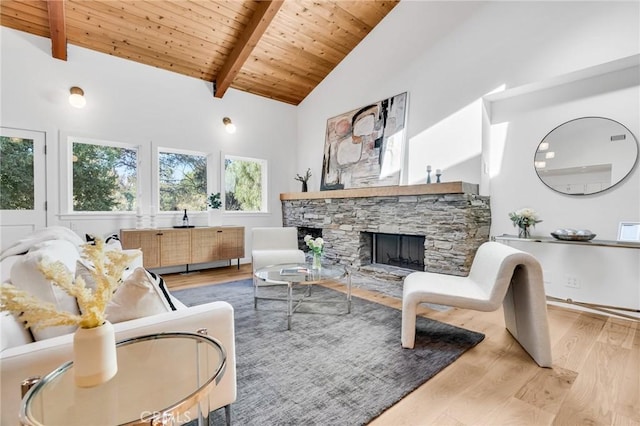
(332, 368)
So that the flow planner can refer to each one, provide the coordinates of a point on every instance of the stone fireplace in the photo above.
(450, 220)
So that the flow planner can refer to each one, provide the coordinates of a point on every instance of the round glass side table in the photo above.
(162, 379)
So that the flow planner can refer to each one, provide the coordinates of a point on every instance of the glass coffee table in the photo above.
(162, 378)
(300, 274)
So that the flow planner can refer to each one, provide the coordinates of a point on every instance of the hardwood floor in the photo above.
(595, 379)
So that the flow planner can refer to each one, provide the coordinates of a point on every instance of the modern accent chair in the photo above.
(272, 246)
(499, 275)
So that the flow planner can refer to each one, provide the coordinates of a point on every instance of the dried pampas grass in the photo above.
(107, 273)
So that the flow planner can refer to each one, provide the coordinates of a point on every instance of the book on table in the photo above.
(298, 270)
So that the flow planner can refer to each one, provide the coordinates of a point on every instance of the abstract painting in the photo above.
(365, 147)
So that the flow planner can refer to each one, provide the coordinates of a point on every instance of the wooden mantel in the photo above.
(386, 191)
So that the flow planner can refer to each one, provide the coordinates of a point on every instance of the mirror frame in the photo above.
(622, 179)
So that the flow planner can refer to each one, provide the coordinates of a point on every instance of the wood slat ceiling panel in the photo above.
(31, 17)
(132, 28)
(302, 44)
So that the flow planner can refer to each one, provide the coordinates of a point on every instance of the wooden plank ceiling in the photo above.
(279, 49)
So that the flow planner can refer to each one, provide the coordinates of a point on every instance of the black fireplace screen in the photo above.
(404, 251)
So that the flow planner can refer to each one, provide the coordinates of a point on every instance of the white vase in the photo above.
(94, 355)
(214, 218)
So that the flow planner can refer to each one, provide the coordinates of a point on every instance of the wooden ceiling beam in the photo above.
(262, 17)
(57, 29)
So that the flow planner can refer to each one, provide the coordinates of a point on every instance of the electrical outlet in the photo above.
(571, 281)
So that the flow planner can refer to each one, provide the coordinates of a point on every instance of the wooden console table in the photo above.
(184, 246)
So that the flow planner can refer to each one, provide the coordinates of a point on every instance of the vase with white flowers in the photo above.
(317, 248)
(94, 346)
(524, 219)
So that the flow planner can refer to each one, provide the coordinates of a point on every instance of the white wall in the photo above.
(447, 55)
(130, 102)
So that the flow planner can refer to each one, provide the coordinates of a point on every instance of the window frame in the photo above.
(265, 210)
(66, 167)
(156, 176)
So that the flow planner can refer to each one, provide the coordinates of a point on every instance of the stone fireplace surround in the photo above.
(452, 217)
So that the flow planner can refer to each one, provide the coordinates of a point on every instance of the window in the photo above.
(104, 176)
(182, 181)
(245, 184)
(16, 173)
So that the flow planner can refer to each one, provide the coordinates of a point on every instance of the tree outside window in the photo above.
(16, 174)
(182, 181)
(245, 184)
(105, 177)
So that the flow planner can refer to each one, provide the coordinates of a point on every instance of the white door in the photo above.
(22, 184)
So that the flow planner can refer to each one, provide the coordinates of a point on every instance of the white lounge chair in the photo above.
(500, 275)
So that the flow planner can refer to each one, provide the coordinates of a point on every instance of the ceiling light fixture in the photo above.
(228, 125)
(550, 154)
(76, 98)
(543, 146)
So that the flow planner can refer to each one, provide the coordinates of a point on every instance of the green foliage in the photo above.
(183, 182)
(16, 174)
(214, 201)
(243, 185)
(104, 178)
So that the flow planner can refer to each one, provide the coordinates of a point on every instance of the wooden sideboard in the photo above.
(179, 246)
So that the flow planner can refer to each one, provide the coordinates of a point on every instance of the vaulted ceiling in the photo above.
(280, 49)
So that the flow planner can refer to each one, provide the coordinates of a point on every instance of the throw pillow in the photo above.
(25, 275)
(159, 282)
(112, 242)
(137, 297)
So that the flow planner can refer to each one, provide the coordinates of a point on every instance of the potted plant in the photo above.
(214, 203)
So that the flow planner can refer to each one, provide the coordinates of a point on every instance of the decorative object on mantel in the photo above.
(94, 344)
(214, 203)
(428, 174)
(524, 219)
(364, 147)
(317, 247)
(438, 174)
(568, 234)
(304, 179)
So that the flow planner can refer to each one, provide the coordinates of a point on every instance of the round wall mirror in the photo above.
(586, 155)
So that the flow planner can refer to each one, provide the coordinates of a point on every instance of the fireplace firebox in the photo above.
(403, 251)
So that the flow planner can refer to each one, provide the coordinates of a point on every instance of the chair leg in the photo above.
(227, 414)
(525, 314)
(409, 309)
(255, 293)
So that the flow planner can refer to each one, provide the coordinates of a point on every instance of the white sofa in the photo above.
(21, 357)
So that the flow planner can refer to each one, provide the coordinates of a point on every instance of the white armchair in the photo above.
(271, 246)
(500, 275)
